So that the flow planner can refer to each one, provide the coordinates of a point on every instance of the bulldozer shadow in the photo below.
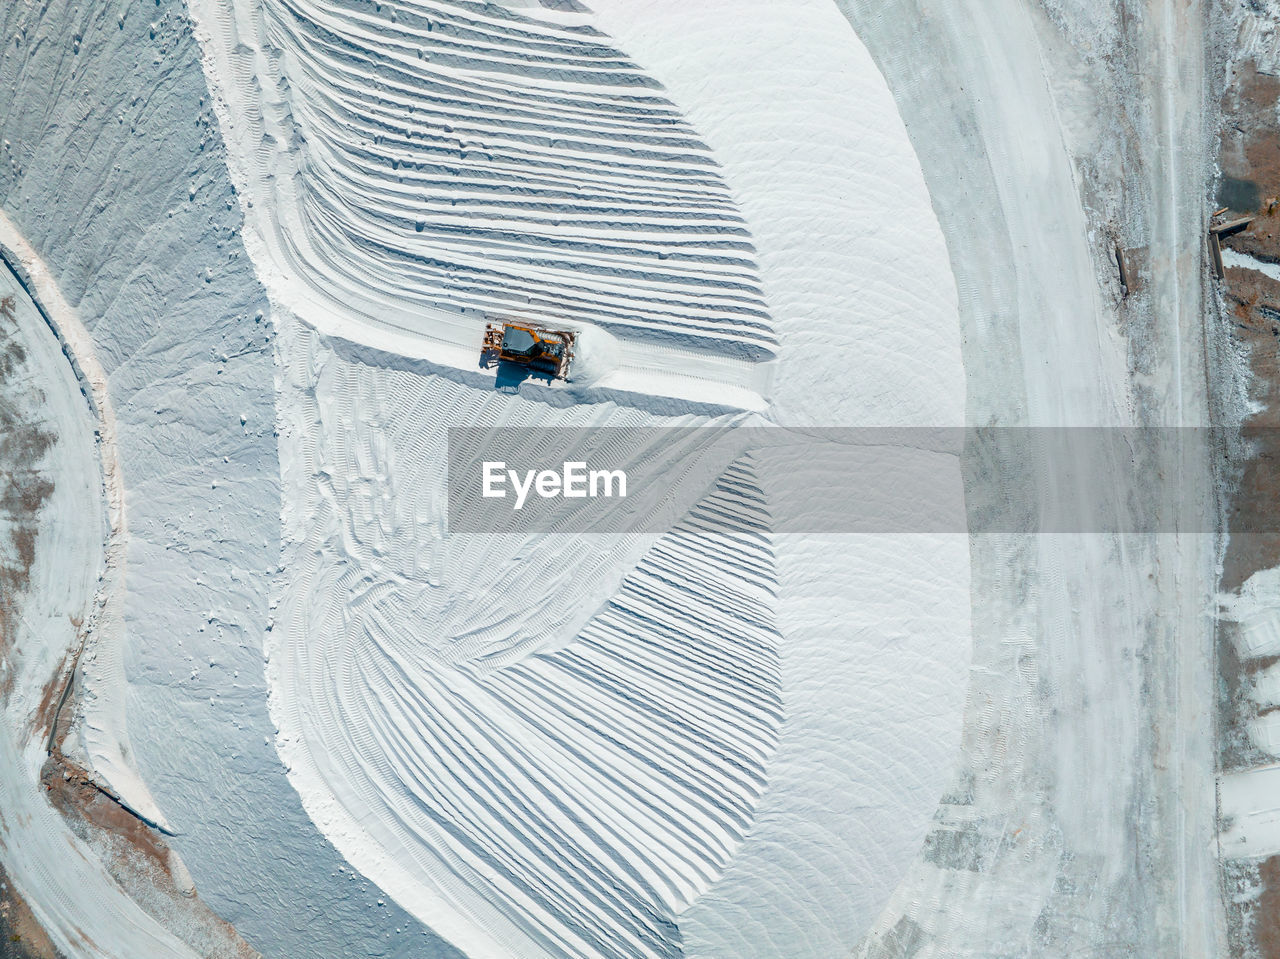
(511, 375)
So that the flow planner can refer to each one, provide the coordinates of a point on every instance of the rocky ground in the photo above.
(1249, 186)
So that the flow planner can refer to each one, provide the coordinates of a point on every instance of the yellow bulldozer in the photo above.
(527, 344)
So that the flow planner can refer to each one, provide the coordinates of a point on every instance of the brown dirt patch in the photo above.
(49, 710)
(139, 859)
(23, 487)
(1250, 162)
(73, 793)
(1254, 302)
(1250, 159)
(1266, 918)
(20, 934)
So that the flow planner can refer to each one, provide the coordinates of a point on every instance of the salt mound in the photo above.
(552, 746)
(416, 167)
(597, 355)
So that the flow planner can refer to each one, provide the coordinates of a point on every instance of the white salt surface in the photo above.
(401, 195)
(1249, 808)
(1086, 731)
(627, 747)
(1256, 608)
(1234, 258)
(721, 196)
(71, 894)
(854, 265)
(99, 737)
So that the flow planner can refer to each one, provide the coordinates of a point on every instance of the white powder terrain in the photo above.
(416, 167)
(59, 527)
(540, 745)
(735, 732)
(1088, 728)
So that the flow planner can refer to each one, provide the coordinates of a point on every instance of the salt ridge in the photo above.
(411, 171)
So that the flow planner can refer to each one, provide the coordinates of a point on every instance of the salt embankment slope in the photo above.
(524, 781)
(1045, 140)
(99, 740)
(389, 635)
(50, 440)
(140, 230)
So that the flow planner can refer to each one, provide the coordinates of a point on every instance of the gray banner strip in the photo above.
(516, 480)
